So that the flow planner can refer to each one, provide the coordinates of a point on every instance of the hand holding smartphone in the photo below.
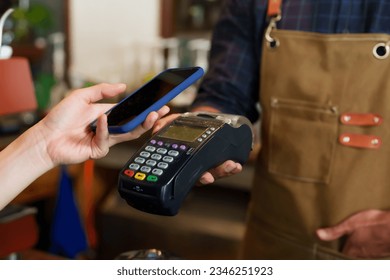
(133, 110)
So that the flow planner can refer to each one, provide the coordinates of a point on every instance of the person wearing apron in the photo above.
(325, 105)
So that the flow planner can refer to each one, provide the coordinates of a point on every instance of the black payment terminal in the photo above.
(159, 176)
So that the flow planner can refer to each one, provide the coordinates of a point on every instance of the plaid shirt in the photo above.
(231, 84)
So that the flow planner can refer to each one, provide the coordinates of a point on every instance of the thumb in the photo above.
(101, 138)
(335, 232)
(360, 219)
(328, 234)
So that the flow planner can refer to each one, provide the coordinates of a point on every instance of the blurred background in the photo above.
(71, 44)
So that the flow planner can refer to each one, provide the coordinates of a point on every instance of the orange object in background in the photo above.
(16, 86)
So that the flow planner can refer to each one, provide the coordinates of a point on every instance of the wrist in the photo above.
(22, 162)
(40, 139)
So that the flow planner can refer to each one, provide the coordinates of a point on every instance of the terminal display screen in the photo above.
(183, 133)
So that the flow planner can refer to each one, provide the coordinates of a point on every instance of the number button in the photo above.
(156, 156)
(151, 162)
(144, 154)
(157, 172)
(145, 169)
(134, 166)
(150, 148)
(162, 151)
(162, 165)
(139, 160)
(167, 159)
(173, 153)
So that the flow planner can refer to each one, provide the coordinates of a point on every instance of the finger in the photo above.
(123, 137)
(138, 131)
(206, 179)
(163, 111)
(103, 107)
(349, 225)
(335, 232)
(100, 91)
(329, 234)
(101, 138)
(226, 169)
(163, 122)
(236, 169)
(148, 123)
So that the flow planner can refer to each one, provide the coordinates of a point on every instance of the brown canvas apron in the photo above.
(325, 141)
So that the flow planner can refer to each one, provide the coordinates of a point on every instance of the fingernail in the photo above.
(202, 181)
(323, 234)
(206, 180)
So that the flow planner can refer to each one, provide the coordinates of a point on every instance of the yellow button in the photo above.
(140, 176)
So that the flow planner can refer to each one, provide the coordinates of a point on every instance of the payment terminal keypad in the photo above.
(153, 160)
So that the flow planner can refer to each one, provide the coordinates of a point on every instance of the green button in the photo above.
(152, 178)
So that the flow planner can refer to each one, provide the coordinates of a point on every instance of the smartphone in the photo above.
(133, 110)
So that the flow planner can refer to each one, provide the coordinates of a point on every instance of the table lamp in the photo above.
(17, 93)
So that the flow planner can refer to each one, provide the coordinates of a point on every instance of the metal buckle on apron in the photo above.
(381, 50)
(272, 42)
(274, 13)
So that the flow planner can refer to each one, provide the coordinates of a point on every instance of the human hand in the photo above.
(368, 234)
(66, 127)
(226, 169)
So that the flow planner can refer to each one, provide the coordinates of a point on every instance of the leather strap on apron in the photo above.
(316, 91)
(273, 9)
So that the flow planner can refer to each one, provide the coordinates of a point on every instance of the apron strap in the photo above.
(274, 8)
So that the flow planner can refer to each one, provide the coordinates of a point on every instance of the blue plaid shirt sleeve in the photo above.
(231, 82)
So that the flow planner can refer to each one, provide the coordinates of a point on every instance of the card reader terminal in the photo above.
(159, 176)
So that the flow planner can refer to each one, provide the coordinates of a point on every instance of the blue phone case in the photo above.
(157, 105)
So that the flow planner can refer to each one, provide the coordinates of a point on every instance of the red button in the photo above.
(129, 172)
